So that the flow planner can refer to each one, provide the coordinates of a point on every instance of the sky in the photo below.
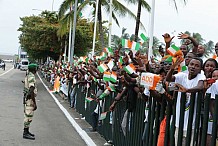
(196, 16)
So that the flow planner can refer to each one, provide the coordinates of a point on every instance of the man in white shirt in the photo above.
(213, 90)
(188, 83)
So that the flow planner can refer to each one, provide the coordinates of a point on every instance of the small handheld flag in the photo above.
(102, 68)
(130, 68)
(103, 116)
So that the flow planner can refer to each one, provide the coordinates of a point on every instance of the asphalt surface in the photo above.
(50, 125)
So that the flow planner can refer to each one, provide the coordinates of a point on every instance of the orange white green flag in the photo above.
(108, 50)
(135, 46)
(113, 77)
(130, 68)
(103, 116)
(89, 99)
(111, 88)
(144, 38)
(110, 64)
(102, 68)
(126, 43)
(106, 76)
(172, 50)
(103, 56)
(182, 67)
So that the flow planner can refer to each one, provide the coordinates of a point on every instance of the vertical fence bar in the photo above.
(214, 129)
(206, 117)
(167, 128)
(172, 129)
(157, 125)
(162, 110)
(140, 114)
(128, 134)
(197, 120)
(151, 123)
(181, 118)
(190, 119)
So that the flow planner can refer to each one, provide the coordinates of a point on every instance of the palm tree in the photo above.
(155, 46)
(116, 40)
(209, 48)
(148, 8)
(118, 10)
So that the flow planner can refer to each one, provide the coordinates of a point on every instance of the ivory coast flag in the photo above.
(111, 88)
(135, 46)
(106, 76)
(103, 56)
(89, 99)
(130, 68)
(169, 59)
(182, 67)
(82, 59)
(126, 43)
(102, 68)
(113, 77)
(144, 38)
(103, 116)
(110, 64)
(95, 80)
(108, 50)
(104, 94)
(120, 62)
(172, 50)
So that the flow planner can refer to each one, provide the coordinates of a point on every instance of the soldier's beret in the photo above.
(32, 66)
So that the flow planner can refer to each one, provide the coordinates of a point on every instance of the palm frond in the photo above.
(64, 7)
(115, 19)
(122, 11)
(146, 6)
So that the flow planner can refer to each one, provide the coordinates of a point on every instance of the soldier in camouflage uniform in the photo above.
(30, 106)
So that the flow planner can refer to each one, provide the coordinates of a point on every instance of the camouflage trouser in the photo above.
(28, 114)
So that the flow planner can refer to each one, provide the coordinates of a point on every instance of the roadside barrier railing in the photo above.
(125, 128)
(141, 133)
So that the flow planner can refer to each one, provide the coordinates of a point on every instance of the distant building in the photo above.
(22, 54)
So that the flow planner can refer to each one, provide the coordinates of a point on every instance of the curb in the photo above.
(80, 131)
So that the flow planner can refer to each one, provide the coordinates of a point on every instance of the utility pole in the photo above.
(74, 31)
(150, 53)
(110, 24)
(94, 36)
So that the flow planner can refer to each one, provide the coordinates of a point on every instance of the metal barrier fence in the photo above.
(141, 133)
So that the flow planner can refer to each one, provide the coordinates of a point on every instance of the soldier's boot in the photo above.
(26, 135)
(33, 135)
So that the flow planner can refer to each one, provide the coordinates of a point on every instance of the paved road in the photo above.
(49, 125)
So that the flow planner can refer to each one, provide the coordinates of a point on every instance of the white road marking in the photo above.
(6, 72)
(81, 132)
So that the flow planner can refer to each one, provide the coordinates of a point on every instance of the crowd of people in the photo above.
(132, 74)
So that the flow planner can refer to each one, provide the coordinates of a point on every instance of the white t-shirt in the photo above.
(182, 78)
(213, 90)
